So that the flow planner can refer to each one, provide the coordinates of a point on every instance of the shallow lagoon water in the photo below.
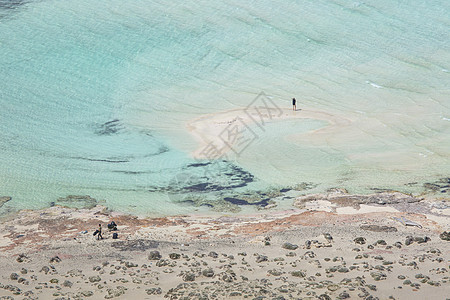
(95, 96)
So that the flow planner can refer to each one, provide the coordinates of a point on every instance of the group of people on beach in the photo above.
(111, 226)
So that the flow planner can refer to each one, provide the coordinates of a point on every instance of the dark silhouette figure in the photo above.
(294, 104)
(99, 234)
(112, 226)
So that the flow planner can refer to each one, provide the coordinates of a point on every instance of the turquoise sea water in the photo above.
(95, 95)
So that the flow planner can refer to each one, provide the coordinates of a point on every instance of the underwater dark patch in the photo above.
(132, 172)
(196, 165)
(161, 150)
(125, 159)
(11, 4)
(440, 186)
(76, 201)
(109, 128)
(108, 160)
(237, 201)
(206, 177)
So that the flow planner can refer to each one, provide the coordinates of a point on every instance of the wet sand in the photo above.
(209, 129)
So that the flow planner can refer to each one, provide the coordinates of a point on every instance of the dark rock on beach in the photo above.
(154, 255)
(208, 272)
(154, 291)
(189, 277)
(377, 276)
(55, 259)
(213, 254)
(445, 236)
(420, 240)
(130, 264)
(298, 274)
(67, 283)
(289, 246)
(22, 258)
(95, 278)
(174, 255)
(328, 237)
(360, 240)
(261, 258)
(377, 228)
(135, 245)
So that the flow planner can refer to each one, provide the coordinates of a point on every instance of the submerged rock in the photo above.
(342, 198)
(77, 201)
(4, 199)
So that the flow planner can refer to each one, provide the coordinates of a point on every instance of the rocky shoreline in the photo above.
(333, 246)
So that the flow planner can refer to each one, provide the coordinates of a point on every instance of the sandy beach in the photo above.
(328, 246)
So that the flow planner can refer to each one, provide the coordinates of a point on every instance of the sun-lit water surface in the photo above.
(95, 96)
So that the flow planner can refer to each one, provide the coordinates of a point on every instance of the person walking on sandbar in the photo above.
(294, 105)
(99, 234)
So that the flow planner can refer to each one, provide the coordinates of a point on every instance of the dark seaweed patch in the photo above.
(76, 201)
(124, 159)
(237, 201)
(196, 165)
(161, 150)
(108, 160)
(11, 4)
(201, 187)
(207, 177)
(109, 128)
(132, 172)
(440, 186)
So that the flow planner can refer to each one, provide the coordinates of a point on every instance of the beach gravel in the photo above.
(210, 257)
